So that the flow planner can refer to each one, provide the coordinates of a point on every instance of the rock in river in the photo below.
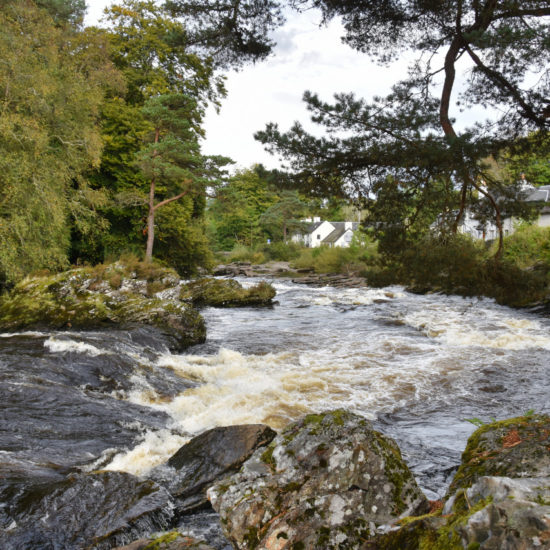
(208, 457)
(99, 510)
(327, 481)
(125, 296)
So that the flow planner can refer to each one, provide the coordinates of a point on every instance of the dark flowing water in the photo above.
(418, 366)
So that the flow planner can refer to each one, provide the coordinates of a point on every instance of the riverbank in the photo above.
(525, 289)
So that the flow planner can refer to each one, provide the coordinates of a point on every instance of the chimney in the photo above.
(348, 225)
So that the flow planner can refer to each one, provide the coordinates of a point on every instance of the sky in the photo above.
(307, 57)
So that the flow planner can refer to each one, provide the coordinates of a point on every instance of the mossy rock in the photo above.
(327, 481)
(105, 296)
(226, 293)
(516, 447)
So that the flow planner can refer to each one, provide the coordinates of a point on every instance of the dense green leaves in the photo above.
(410, 137)
(52, 89)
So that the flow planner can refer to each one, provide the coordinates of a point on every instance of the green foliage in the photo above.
(181, 240)
(528, 246)
(232, 31)
(235, 212)
(284, 217)
(53, 81)
(456, 264)
(149, 46)
(529, 156)
(408, 140)
(241, 253)
(361, 255)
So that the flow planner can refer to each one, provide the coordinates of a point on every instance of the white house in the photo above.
(489, 232)
(327, 233)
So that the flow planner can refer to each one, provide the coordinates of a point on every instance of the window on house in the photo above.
(318, 237)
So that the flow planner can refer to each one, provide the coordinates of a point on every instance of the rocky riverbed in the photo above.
(328, 481)
(111, 439)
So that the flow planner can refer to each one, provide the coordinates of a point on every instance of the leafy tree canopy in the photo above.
(410, 137)
(234, 32)
(53, 82)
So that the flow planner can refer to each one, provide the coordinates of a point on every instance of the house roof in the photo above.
(340, 229)
(313, 226)
(334, 236)
(538, 194)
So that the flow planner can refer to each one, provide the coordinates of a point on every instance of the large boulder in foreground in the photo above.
(499, 498)
(327, 481)
(207, 458)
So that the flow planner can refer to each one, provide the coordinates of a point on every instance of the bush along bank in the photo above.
(459, 265)
(123, 295)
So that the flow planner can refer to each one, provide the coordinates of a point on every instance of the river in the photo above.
(417, 366)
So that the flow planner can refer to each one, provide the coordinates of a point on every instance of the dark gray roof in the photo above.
(334, 236)
(339, 231)
(538, 194)
(310, 228)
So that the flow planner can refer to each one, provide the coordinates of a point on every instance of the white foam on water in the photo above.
(63, 346)
(492, 328)
(154, 449)
(336, 360)
(328, 296)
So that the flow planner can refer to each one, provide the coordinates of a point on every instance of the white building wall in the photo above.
(322, 232)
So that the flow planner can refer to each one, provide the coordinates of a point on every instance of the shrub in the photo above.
(529, 245)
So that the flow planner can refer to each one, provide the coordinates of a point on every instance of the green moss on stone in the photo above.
(486, 449)
(160, 542)
(226, 293)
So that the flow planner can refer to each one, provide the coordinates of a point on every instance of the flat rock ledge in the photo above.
(327, 481)
(124, 296)
(298, 276)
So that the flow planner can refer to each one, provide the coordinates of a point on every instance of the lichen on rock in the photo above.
(89, 298)
(327, 481)
(498, 499)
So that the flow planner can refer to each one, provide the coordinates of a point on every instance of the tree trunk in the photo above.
(150, 224)
(151, 216)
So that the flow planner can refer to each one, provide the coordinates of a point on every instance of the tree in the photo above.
(284, 216)
(238, 206)
(171, 160)
(410, 136)
(149, 48)
(233, 32)
(52, 86)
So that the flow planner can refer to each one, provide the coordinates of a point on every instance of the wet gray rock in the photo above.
(99, 511)
(327, 481)
(206, 458)
(499, 498)
(168, 541)
(516, 447)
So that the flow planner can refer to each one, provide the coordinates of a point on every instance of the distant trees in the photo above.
(285, 216)
(236, 210)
